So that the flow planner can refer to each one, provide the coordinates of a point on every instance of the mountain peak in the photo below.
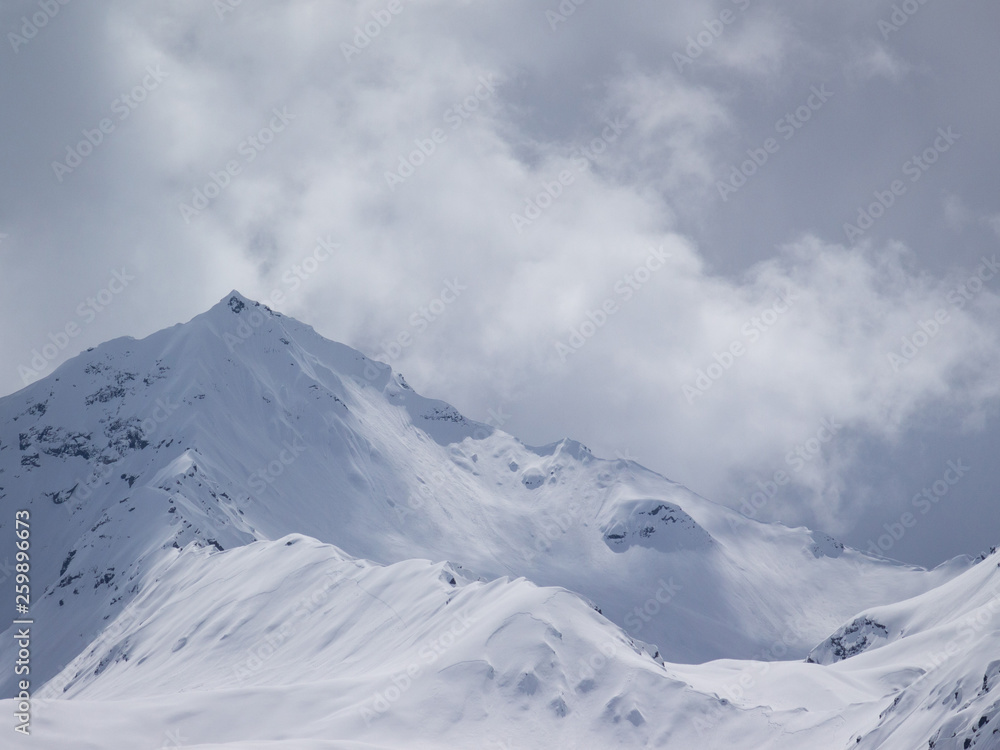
(244, 424)
(236, 302)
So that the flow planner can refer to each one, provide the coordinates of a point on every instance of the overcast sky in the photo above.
(690, 233)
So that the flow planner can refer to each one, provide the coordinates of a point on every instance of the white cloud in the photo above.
(325, 175)
(758, 46)
(994, 223)
(956, 212)
(875, 60)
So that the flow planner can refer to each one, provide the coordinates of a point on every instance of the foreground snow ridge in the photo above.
(251, 537)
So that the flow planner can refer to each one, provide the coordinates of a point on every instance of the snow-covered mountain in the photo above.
(244, 532)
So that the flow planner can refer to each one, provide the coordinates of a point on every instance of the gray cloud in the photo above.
(483, 111)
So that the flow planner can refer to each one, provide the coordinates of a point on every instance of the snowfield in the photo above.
(247, 536)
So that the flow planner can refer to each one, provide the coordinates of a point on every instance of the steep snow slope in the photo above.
(928, 677)
(413, 649)
(246, 425)
(949, 640)
(294, 644)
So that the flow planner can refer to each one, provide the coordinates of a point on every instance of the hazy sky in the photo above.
(733, 239)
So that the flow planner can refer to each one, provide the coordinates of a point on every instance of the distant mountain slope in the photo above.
(246, 425)
(239, 540)
(294, 644)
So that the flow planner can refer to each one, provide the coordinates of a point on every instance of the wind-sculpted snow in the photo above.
(293, 643)
(395, 650)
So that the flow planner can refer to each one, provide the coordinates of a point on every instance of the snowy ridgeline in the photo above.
(588, 603)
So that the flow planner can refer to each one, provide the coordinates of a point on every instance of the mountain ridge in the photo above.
(244, 426)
